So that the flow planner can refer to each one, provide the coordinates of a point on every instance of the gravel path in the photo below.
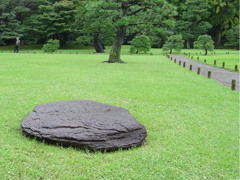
(222, 76)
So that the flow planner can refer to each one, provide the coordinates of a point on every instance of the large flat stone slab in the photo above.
(84, 123)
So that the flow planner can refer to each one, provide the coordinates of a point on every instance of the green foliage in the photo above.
(53, 19)
(173, 42)
(9, 25)
(232, 37)
(204, 42)
(51, 46)
(140, 44)
(92, 19)
(224, 14)
(192, 22)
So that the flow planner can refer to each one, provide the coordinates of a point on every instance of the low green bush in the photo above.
(140, 44)
(51, 46)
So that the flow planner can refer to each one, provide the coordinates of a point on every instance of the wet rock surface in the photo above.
(84, 123)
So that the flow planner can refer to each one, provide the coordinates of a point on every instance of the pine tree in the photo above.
(204, 42)
(193, 20)
(173, 42)
(9, 25)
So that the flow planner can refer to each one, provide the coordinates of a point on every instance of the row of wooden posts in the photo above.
(198, 71)
(215, 62)
(45, 52)
(201, 53)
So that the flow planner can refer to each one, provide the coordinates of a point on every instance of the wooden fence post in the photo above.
(223, 65)
(184, 64)
(197, 58)
(174, 60)
(209, 74)
(233, 84)
(215, 62)
(190, 68)
(198, 71)
(236, 68)
(205, 60)
(180, 63)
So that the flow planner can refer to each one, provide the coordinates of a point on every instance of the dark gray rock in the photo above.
(85, 123)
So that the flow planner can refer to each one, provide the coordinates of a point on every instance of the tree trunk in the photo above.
(205, 51)
(188, 44)
(114, 55)
(64, 39)
(218, 42)
(103, 46)
(97, 44)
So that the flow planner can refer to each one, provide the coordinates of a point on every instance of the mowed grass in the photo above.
(220, 56)
(192, 122)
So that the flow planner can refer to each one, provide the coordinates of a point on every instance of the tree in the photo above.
(192, 23)
(9, 25)
(140, 44)
(204, 42)
(173, 42)
(126, 13)
(53, 19)
(94, 21)
(160, 24)
(224, 16)
(232, 37)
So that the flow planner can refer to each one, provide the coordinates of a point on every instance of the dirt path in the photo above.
(222, 76)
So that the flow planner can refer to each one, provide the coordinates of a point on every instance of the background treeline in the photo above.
(93, 22)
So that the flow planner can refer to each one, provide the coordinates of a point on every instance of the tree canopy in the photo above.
(173, 42)
(116, 22)
(204, 42)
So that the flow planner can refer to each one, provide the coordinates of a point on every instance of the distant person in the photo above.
(17, 45)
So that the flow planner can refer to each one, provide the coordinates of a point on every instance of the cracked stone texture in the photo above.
(85, 123)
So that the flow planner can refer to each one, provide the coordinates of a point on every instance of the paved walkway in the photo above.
(222, 76)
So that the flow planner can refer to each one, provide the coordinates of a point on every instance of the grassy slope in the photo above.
(192, 121)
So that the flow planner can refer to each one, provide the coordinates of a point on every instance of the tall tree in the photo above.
(9, 25)
(94, 21)
(224, 16)
(126, 13)
(193, 22)
(54, 19)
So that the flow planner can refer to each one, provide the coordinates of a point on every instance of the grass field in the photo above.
(220, 55)
(192, 121)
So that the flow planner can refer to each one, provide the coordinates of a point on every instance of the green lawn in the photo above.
(220, 56)
(192, 121)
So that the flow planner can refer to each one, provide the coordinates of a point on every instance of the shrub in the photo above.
(51, 46)
(140, 44)
(204, 42)
(173, 42)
